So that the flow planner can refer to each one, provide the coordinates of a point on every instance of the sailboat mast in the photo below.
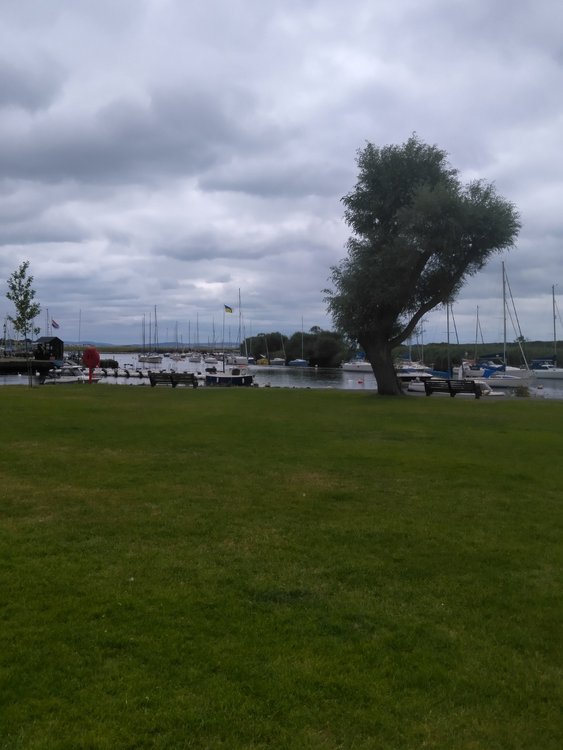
(476, 333)
(239, 335)
(504, 313)
(155, 331)
(554, 322)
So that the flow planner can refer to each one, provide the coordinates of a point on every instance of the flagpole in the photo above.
(223, 338)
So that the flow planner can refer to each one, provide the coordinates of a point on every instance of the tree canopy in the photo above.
(22, 294)
(418, 234)
(319, 347)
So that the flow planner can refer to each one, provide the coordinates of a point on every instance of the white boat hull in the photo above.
(359, 366)
(153, 359)
(507, 380)
(66, 375)
(507, 377)
(551, 373)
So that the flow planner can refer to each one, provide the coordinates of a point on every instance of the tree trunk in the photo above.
(379, 355)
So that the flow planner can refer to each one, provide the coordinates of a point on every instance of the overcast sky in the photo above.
(170, 152)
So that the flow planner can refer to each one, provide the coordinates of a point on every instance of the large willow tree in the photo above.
(418, 234)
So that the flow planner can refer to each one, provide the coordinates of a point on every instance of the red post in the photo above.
(91, 358)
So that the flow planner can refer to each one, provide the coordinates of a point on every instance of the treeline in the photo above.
(320, 348)
(442, 354)
(329, 349)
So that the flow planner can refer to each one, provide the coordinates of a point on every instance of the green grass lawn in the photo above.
(279, 569)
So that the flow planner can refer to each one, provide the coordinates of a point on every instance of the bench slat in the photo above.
(173, 379)
(444, 385)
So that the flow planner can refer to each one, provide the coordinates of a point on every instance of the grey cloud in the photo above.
(170, 153)
(29, 87)
(171, 132)
(275, 177)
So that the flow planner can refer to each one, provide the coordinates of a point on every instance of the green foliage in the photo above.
(265, 345)
(321, 348)
(22, 294)
(418, 234)
(294, 569)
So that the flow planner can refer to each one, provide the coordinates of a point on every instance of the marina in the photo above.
(132, 372)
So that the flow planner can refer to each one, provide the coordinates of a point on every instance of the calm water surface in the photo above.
(275, 377)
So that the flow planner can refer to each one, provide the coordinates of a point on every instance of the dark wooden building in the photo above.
(49, 347)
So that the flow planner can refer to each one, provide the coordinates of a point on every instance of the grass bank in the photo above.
(279, 569)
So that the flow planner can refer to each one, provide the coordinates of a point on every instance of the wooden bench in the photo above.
(173, 379)
(453, 387)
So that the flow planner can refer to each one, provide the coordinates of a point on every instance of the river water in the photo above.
(275, 377)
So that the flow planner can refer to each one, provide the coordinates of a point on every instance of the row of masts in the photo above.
(153, 343)
(509, 312)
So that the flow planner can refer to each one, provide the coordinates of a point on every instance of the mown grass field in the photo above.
(279, 569)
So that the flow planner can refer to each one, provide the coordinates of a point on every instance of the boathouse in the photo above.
(49, 347)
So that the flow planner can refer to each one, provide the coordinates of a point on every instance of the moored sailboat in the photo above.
(358, 364)
(545, 368)
(494, 367)
(300, 361)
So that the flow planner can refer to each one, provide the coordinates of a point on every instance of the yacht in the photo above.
(356, 365)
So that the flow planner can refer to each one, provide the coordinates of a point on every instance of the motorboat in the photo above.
(298, 363)
(237, 360)
(232, 376)
(67, 373)
(152, 359)
(357, 365)
(408, 370)
(546, 368)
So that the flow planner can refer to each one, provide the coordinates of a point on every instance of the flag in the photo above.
(228, 309)
(55, 324)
